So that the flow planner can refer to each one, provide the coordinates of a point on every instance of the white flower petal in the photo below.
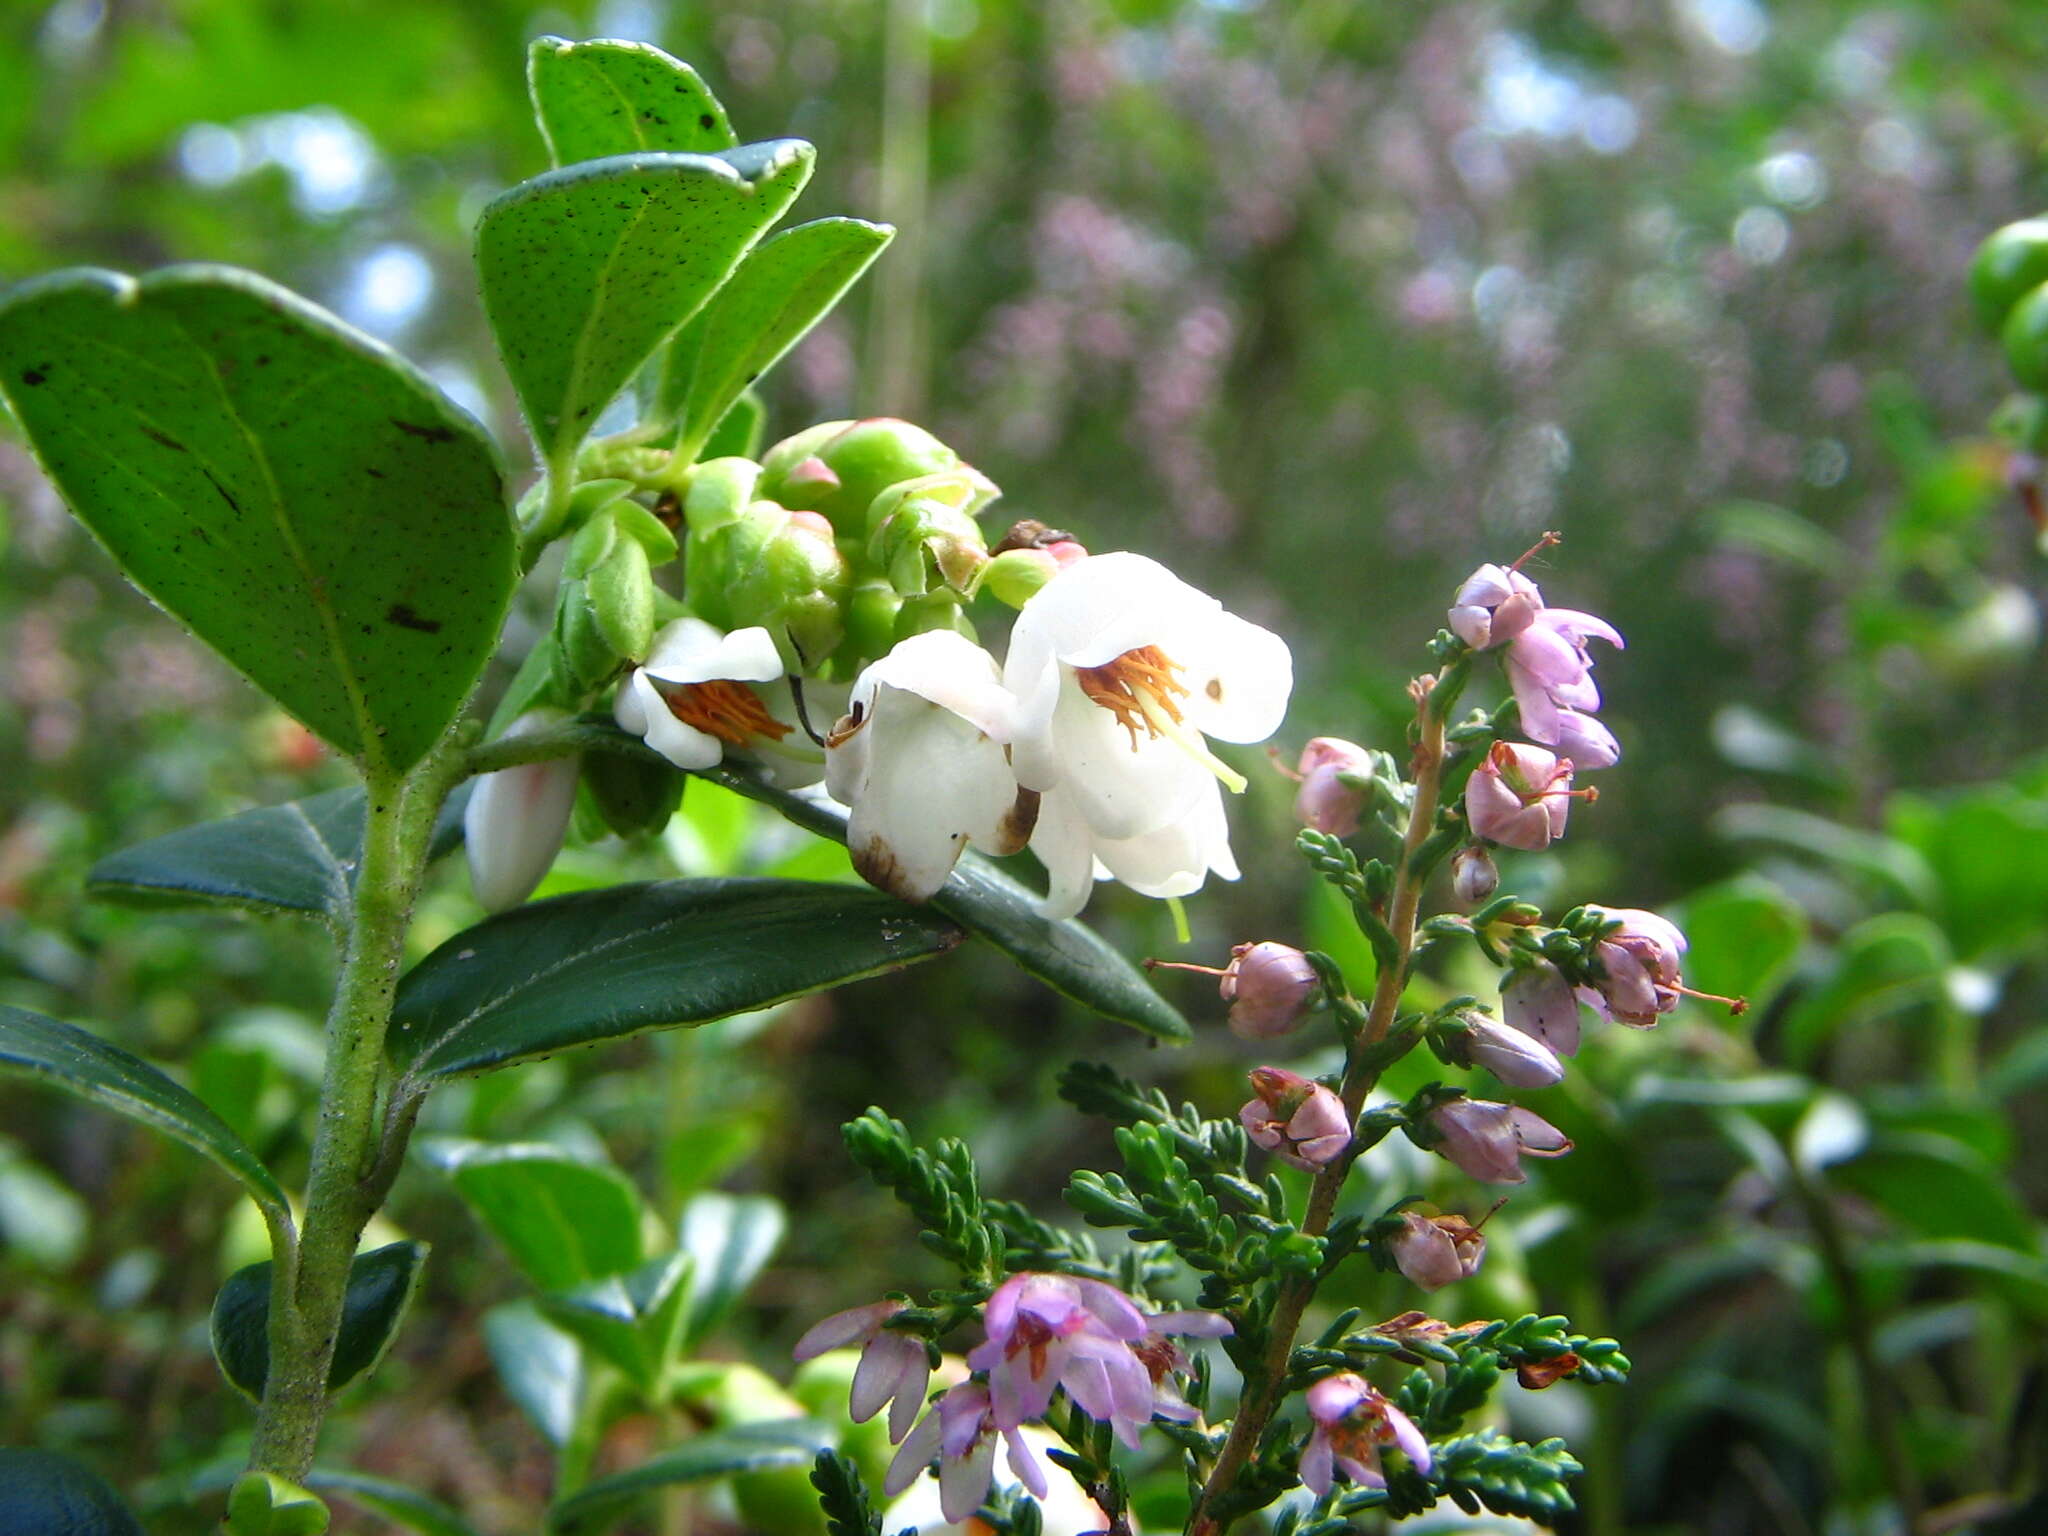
(1239, 679)
(688, 650)
(1123, 787)
(1067, 850)
(933, 782)
(683, 745)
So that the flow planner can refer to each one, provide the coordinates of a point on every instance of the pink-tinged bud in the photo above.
(516, 819)
(1489, 1140)
(1494, 606)
(1065, 551)
(1436, 1251)
(1270, 988)
(1639, 970)
(1299, 1121)
(1520, 796)
(1333, 790)
(808, 479)
(814, 523)
(1518, 1060)
(1474, 876)
(1539, 1002)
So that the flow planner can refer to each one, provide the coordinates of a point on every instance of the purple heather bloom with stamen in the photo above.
(895, 1368)
(1352, 1421)
(1488, 1140)
(1299, 1121)
(1538, 1001)
(1436, 1251)
(1519, 1060)
(1550, 672)
(960, 1433)
(1494, 606)
(1640, 965)
(1270, 988)
(1519, 796)
(1325, 801)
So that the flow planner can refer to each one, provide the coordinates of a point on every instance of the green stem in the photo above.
(1263, 1388)
(354, 1156)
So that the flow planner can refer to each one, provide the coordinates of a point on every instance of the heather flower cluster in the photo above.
(1043, 1334)
(823, 636)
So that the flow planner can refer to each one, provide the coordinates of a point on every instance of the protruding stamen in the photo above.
(1736, 1006)
(1183, 965)
(1142, 688)
(1550, 536)
(731, 711)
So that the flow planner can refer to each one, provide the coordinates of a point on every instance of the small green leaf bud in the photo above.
(645, 529)
(720, 492)
(621, 595)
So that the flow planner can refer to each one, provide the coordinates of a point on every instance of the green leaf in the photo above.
(1935, 1187)
(585, 271)
(565, 1220)
(300, 856)
(52, 1495)
(730, 1239)
(1745, 934)
(380, 1286)
(609, 97)
(707, 1458)
(1067, 956)
(635, 1321)
(1885, 963)
(264, 1504)
(80, 1062)
(739, 431)
(600, 965)
(1989, 852)
(406, 1508)
(301, 497)
(785, 286)
(540, 1364)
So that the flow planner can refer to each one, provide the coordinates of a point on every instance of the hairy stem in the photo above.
(354, 1153)
(1262, 1388)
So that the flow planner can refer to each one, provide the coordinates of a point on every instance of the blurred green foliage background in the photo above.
(1325, 303)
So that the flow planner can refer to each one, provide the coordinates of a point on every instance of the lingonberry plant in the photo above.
(800, 624)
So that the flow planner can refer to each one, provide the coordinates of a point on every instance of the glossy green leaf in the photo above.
(585, 271)
(564, 1220)
(81, 1063)
(611, 97)
(381, 1282)
(785, 286)
(300, 856)
(1882, 965)
(600, 965)
(634, 1321)
(50, 1495)
(708, 1458)
(264, 1504)
(1989, 853)
(540, 1365)
(301, 497)
(1935, 1187)
(1067, 956)
(405, 1508)
(730, 1239)
(739, 431)
(1745, 934)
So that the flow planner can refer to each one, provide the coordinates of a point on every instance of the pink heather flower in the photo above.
(1639, 965)
(1517, 1059)
(894, 1368)
(1519, 796)
(1588, 743)
(1494, 606)
(961, 1434)
(1352, 1420)
(1550, 672)
(1488, 1140)
(1539, 1002)
(1299, 1121)
(1474, 876)
(1326, 802)
(1163, 1360)
(1270, 988)
(1436, 1251)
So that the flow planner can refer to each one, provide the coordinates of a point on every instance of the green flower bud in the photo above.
(2025, 335)
(621, 596)
(588, 549)
(840, 468)
(939, 609)
(2021, 421)
(2011, 263)
(720, 492)
(870, 615)
(785, 573)
(920, 534)
(633, 795)
(1014, 576)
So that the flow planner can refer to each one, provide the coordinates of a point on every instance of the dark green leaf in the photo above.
(44, 1494)
(313, 507)
(599, 965)
(634, 1321)
(541, 1366)
(785, 286)
(1745, 935)
(264, 1504)
(297, 857)
(380, 1285)
(708, 1458)
(1067, 956)
(730, 1239)
(1989, 851)
(406, 1508)
(565, 1220)
(585, 271)
(608, 97)
(1938, 1188)
(80, 1062)
(1884, 964)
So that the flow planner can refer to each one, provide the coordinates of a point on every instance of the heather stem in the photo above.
(1262, 1389)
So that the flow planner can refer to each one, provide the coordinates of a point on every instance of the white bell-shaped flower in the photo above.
(1121, 671)
(919, 757)
(516, 818)
(692, 702)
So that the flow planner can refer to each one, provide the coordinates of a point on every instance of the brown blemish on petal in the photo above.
(875, 862)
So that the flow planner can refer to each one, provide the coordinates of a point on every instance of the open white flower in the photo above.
(1121, 671)
(691, 702)
(920, 759)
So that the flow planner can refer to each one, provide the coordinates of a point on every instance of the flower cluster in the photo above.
(1042, 1334)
